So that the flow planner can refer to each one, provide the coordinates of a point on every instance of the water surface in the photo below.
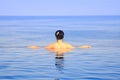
(101, 62)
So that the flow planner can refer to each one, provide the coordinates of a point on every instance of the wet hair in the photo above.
(59, 34)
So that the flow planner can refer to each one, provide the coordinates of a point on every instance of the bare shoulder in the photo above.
(56, 45)
(68, 45)
(51, 45)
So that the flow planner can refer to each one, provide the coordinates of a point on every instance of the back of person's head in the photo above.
(59, 34)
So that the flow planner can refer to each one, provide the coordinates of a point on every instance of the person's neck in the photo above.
(59, 41)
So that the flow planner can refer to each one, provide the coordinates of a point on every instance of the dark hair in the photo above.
(59, 34)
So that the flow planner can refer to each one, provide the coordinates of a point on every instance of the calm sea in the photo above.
(101, 62)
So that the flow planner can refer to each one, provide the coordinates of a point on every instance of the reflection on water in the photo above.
(59, 62)
(59, 59)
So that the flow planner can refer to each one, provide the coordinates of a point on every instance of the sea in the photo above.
(100, 62)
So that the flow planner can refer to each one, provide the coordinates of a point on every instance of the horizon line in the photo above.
(60, 15)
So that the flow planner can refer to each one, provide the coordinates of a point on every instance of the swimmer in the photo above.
(59, 46)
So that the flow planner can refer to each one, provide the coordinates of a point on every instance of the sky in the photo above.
(59, 7)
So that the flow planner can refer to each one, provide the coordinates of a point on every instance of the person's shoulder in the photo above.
(51, 45)
(68, 45)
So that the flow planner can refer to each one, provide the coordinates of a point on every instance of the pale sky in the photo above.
(59, 7)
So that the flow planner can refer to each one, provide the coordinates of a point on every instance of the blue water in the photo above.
(101, 62)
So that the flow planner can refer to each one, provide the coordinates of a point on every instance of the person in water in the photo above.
(59, 46)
